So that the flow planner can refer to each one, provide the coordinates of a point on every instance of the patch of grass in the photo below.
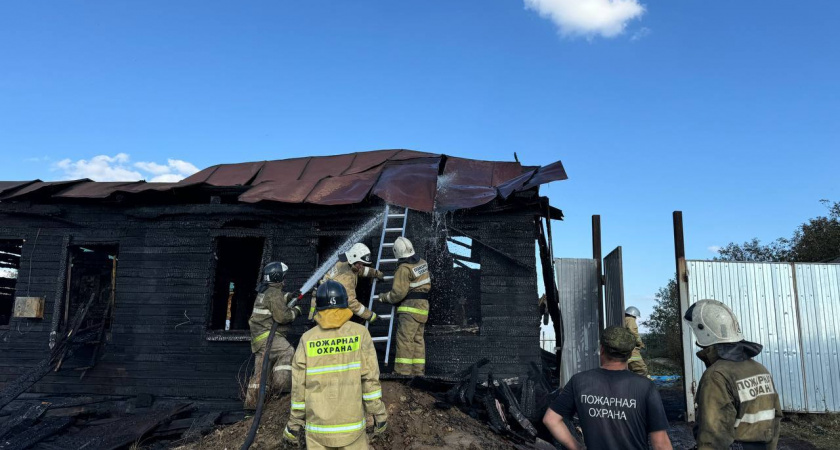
(661, 366)
(821, 430)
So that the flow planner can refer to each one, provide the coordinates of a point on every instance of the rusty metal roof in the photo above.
(418, 180)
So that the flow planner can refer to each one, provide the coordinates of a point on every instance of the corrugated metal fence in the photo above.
(793, 310)
(577, 284)
(614, 288)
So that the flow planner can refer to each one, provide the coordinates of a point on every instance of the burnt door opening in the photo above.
(91, 272)
(238, 268)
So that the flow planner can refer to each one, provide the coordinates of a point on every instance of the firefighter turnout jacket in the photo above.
(344, 274)
(335, 381)
(270, 305)
(736, 399)
(410, 290)
(636, 363)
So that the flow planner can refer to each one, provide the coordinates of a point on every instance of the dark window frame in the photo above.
(215, 335)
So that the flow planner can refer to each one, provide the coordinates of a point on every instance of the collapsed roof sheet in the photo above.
(418, 180)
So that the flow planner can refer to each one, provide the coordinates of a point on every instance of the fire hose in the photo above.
(252, 433)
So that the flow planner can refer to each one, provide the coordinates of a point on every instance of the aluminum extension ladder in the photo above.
(393, 226)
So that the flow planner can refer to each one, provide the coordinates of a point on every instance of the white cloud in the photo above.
(167, 178)
(99, 168)
(713, 248)
(642, 32)
(152, 167)
(182, 167)
(119, 168)
(607, 18)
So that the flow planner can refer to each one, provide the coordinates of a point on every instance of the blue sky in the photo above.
(728, 111)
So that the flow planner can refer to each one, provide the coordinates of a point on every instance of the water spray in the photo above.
(357, 236)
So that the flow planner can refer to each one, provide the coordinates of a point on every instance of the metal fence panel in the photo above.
(763, 297)
(577, 284)
(818, 289)
(614, 288)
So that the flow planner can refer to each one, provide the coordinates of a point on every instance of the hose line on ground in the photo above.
(252, 433)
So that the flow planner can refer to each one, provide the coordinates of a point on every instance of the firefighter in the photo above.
(636, 363)
(350, 266)
(335, 379)
(412, 283)
(737, 403)
(271, 305)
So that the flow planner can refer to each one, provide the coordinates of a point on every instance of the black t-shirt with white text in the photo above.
(617, 408)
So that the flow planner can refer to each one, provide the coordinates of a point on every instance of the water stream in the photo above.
(328, 264)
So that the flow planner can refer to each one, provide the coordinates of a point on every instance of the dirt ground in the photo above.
(414, 423)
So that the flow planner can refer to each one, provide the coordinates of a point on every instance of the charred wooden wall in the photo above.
(508, 316)
(159, 341)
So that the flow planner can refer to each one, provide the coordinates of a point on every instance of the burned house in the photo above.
(166, 271)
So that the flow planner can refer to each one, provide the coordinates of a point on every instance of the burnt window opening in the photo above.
(238, 261)
(91, 273)
(456, 284)
(327, 245)
(461, 249)
(10, 250)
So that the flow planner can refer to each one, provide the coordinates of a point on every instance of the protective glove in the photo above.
(380, 428)
(373, 317)
(382, 297)
(291, 438)
(380, 276)
(298, 311)
(293, 296)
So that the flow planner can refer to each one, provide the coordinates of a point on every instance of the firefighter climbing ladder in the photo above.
(393, 226)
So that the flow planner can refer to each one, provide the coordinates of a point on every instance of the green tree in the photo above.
(664, 324)
(816, 240)
(754, 250)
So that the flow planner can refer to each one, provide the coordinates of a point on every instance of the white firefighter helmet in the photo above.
(403, 248)
(358, 253)
(633, 311)
(713, 323)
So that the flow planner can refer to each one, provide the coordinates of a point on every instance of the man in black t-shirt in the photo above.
(618, 409)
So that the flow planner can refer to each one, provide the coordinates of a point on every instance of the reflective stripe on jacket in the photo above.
(335, 382)
(270, 305)
(736, 401)
(412, 279)
(343, 273)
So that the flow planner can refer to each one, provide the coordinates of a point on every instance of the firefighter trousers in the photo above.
(280, 364)
(636, 363)
(411, 347)
(359, 444)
